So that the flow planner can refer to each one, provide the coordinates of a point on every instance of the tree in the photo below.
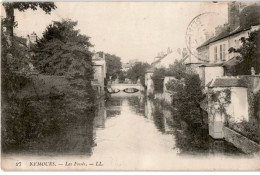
(158, 78)
(22, 6)
(64, 51)
(114, 66)
(249, 55)
(122, 76)
(178, 70)
(187, 97)
(137, 71)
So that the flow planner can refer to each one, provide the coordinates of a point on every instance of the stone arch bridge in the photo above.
(121, 87)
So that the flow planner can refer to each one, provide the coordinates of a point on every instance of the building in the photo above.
(149, 85)
(193, 65)
(242, 19)
(237, 107)
(166, 59)
(27, 45)
(126, 67)
(163, 61)
(100, 70)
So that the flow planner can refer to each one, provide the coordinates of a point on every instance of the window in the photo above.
(220, 52)
(215, 53)
(224, 52)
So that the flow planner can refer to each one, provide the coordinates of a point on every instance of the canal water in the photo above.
(129, 125)
(135, 125)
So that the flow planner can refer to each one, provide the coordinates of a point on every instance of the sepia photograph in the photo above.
(133, 86)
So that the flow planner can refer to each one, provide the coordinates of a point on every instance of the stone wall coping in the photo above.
(243, 136)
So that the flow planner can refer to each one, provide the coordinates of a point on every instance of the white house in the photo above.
(149, 81)
(242, 20)
(236, 108)
(166, 59)
(100, 70)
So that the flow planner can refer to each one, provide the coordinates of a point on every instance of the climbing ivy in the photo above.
(218, 101)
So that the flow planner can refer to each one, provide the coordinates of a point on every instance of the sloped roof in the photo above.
(20, 40)
(223, 35)
(167, 59)
(233, 61)
(151, 70)
(159, 59)
(211, 65)
(248, 17)
(227, 82)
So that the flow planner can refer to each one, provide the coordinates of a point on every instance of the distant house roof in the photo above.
(151, 70)
(98, 56)
(192, 63)
(233, 61)
(20, 40)
(169, 58)
(249, 17)
(158, 59)
(126, 65)
(227, 82)
(223, 35)
(211, 65)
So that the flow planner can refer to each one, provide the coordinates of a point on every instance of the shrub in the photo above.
(187, 96)
(158, 77)
(248, 129)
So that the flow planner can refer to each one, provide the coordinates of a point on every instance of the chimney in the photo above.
(218, 30)
(33, 38)
(233, 15)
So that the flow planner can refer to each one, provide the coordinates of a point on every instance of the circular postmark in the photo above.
(201, 29)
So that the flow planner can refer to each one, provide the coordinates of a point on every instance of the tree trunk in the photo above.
(9, 9)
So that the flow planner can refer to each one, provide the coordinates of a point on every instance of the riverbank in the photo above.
(243, 143)
(39, 118)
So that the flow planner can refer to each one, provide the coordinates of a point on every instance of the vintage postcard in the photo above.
(130, 85)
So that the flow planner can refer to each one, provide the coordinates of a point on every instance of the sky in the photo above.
(130, 30)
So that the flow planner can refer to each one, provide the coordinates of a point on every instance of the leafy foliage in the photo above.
(22, 119)
(9, 7)
(22, 6)
(122, 76)
(114, 66)
(138, 71)
(219, 100)
(64, 51)
(34, 119)
(187, 97)
(248, 129)
(249, 55)
(176, 70)
(190, 107)
(157, 78)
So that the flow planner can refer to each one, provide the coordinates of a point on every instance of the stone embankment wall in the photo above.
(246, 145)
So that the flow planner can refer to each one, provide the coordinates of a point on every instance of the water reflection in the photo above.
(147, 119)
(189, 139)
(132, 124)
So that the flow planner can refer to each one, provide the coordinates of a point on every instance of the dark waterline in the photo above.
(134, 124)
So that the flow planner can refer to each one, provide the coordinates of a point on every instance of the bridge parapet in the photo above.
(125, 86)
